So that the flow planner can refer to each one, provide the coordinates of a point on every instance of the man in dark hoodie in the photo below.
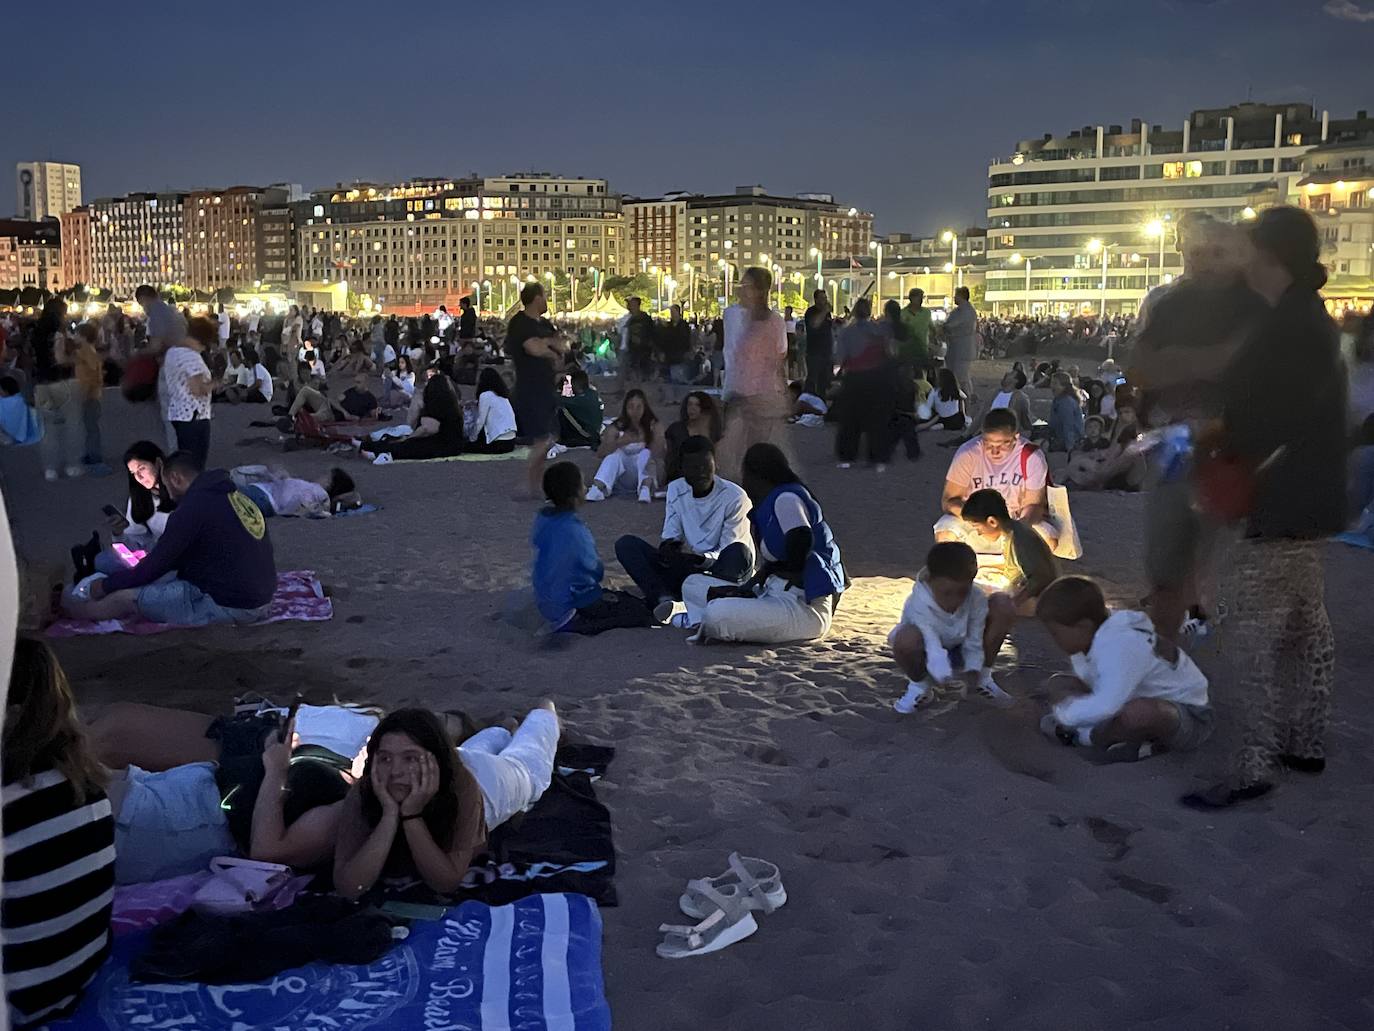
(215, 548)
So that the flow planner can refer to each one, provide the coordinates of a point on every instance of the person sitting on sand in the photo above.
(630, 448)
(807, 409)
(358, 401)
(236, 380)
(398, 387)
(313, 398)
(19, 423)
(579, 416)
(438, 433)
(943, 625)
(800, 576)
(278, 494)
(699, 416)
(1092, 451)
(1132, 693)
(1012, 397)
(1066, 414)
(705, 530)
(148, 508)
(1000, 459)
(947, 403)
(494, 431)
(1118, 465)
(567, 571)
(424, 809)
(59, 844)
(215, 543)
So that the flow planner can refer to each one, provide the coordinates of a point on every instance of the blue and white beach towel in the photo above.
(534, 965)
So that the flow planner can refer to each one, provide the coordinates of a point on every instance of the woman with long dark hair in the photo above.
(58, 844)
(145, 515)
(494, 432)
(800, 576)
(699, 416)
(423, 808)
(440, 430)
(948, 404)
(629, 449)
(1292, 443)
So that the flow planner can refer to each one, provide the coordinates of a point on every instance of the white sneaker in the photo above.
(383, 459)
(50, 475)
(75, 471)
(916, 691)
(880, 468)
(555, 451)
(843, 465)
(645, 495)
(680, 622)
(663, 610)
(988, 689)
(594, 494)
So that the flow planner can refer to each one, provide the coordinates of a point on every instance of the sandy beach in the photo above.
(945, 871)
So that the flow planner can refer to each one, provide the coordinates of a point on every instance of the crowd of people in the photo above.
(1202, 413)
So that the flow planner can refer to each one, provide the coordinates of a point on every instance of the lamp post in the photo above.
(816, 253)
(486, 285)
(658, 287)
(951, 238)
(777, 278)
(553, 293)
(1095, 246)
(1158, 228)
(691, 271)
(595, 273)
(477, 289)
(1016, 259)
(671, 284)
(874, 245)
(725, 278)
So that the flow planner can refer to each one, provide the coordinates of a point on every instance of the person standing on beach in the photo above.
(536, 350)
(1294, 443)
(820, 346)
(755, 389)
(961, 330)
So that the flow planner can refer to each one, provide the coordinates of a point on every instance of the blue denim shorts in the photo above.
(183, 604)
(170, 824)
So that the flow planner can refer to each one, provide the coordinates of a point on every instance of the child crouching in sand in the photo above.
(567, 571)
(1124, 696)
(943, 625)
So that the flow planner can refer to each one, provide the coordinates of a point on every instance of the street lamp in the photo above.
(1096, 246)
(477, 289)
(874, 245)
(691, 271)
(1157, 228)
(816, 253)
(1016, 259)
(951, 238)
(725, 277)
(595, 273)
(777, 278)
(553, 294)
(658, 287)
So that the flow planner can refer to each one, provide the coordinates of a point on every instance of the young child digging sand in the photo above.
(1124, 696)
(943, 625)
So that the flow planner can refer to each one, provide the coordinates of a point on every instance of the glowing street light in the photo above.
(950, 237)
(816, 253)
(1247, 213)
(1156, 228)
(874, 245)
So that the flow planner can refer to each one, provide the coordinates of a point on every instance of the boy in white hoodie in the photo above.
(942, 627)
(1131, 692)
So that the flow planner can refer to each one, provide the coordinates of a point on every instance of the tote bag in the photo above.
(1069, 546)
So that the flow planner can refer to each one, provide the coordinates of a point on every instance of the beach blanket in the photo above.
(520, 453)
(300, 597)
(531, 966)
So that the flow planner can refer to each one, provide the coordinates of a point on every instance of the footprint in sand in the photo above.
(1111, 834)
(1156, 893)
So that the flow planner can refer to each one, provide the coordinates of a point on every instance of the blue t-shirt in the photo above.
(567, 570)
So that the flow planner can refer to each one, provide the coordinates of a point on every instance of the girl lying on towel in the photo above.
(277, 494)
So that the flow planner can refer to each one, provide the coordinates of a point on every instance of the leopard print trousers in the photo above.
(1277, 634)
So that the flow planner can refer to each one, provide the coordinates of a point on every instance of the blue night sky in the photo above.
(895, 107)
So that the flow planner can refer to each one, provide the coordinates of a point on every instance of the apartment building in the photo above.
(76, 247)
(30, 254)
(47, 189)
(1085, 220)
(222, 235)
(428, 240)
(139, 238)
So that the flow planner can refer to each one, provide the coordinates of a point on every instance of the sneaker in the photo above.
(555, 451)
(645, 495)
(1056, 731)
(1195, 627)
(594, 494)
(663, 610)
(681, 622)
(880, 468)
(383, 459)
(75, 471)
(843, 465)
(988, 689)
(50, 475)
(917, 691)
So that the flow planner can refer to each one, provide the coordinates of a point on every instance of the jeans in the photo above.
(59, 409)
(867, 402)
(512, 770)
(90, 417)
(820, 368)
(194, 436)
(180, 603)
(614, 610)
(661, 578)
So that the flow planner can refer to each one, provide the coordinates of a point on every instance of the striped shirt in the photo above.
(57, 893)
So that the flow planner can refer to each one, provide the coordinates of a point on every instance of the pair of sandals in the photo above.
(724, 908)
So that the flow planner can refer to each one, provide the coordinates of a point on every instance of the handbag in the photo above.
(239, 886)
(1069, 545)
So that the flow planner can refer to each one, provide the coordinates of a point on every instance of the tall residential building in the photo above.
(693, 233)
(76, 248)
(30, 254)
(1086, 220)
(276, 244)
(1336, 185)
(222, 235)
(47, 188)
(427, 240)
(138, 239)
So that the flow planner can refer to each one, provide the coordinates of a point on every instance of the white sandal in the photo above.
(755, 883)
(728, 922)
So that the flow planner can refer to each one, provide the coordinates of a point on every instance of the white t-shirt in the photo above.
(253, 321)
(495, 418)
(261, 375)
(1002, 400)
(972, 470)
(707, 525)
(223, 326)
(1122, 664)
(815, 402)
(180, 365)
(945, 409)
(389, 356)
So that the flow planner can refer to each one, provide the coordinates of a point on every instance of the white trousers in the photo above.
(624, 472)
(778, 615)
(512, 770)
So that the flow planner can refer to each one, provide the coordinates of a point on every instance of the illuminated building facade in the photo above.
(30, 254)
(76, 247)
(221, 243)
(137, 239)
(47, 189)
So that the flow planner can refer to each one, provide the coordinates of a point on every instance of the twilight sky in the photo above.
(892, 105)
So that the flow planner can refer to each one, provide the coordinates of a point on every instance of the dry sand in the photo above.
(949, 871)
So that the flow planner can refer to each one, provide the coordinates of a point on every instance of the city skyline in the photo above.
(901, 122)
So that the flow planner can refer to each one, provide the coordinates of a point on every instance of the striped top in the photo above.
(57, 893)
